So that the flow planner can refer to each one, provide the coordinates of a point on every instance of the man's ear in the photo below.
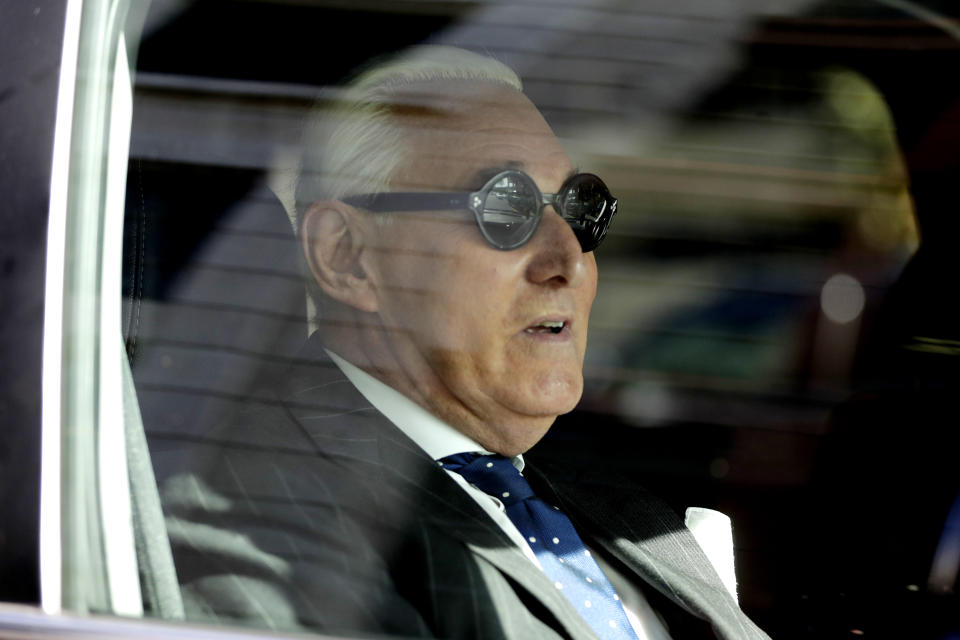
(333, 238)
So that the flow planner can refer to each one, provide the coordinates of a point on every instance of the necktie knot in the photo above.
(552, 538)
(494, 475)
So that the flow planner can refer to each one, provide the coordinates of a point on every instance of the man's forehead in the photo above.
(461, 133)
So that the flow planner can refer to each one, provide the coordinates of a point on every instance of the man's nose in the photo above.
(558, 259)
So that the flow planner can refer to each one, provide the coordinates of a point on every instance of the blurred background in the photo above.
(776, 333)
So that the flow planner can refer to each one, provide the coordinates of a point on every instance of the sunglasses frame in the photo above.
(589, 237)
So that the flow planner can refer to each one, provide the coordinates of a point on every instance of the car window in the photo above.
(773, 335)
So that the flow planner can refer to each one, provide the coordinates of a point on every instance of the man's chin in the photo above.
(543, 409)
(554, 393)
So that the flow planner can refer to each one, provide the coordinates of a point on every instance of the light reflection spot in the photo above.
(842, 298)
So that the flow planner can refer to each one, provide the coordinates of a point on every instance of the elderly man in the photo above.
(449, 241)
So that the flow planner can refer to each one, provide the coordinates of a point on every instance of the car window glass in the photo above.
(766, 339)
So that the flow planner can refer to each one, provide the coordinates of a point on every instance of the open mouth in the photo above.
(547, 326)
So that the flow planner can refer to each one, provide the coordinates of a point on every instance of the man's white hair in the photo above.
(352, 142)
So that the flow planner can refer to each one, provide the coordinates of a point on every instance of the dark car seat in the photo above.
(213, 303)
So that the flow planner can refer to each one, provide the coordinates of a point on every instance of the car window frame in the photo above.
(87, 556)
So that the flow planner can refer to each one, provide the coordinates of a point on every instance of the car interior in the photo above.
(776, 334)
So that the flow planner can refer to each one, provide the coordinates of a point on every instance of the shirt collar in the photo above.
(429, 432)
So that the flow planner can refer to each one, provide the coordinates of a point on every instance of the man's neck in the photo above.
(437, 438)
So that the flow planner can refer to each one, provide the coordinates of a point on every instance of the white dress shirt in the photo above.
(439, 440)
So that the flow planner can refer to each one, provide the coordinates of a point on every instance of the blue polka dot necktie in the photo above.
(552, 538)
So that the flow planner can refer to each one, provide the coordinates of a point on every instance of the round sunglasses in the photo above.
(509, 206)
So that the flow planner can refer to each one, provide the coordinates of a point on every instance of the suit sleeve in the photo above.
(250, 555)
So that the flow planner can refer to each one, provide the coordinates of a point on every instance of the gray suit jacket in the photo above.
(312, 511)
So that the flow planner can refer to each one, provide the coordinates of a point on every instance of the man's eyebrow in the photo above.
(481, 177)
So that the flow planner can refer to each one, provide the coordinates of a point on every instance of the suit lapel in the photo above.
(650, 540)
(441, 504)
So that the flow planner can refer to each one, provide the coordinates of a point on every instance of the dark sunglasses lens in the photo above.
(588, 208)
(509, 211)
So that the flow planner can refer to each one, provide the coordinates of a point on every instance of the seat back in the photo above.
(213, 305)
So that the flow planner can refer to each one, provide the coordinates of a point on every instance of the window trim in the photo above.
(87, 554)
